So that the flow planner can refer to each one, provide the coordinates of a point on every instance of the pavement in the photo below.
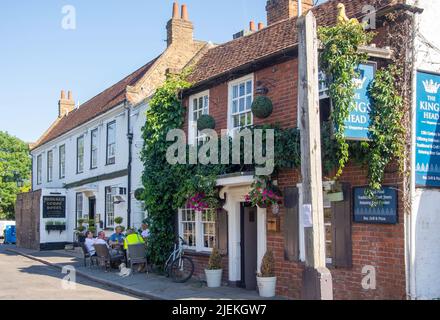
(147, 286)
(22, 278)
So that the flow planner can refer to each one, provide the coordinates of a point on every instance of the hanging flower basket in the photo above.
(263, 195)
(201, 202)
(262, 107)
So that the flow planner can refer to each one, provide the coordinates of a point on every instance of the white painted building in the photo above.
(85, 155)
(422, 234)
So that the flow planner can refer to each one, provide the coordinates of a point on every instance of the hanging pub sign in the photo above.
(358, 122)
(54, 207)
(383, 212)
(428, 130)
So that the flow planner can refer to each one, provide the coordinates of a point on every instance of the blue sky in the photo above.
(38, 57)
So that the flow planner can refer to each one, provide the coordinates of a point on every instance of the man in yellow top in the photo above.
(132, 238)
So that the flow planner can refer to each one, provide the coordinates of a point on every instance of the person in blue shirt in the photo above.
(117, 237)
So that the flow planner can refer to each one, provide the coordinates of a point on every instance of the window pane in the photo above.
(234, 106)
(236, 121)
(235, 92)
(248, 102)
(241, 106)
(249, 87)
(242, 89)
(249, 119)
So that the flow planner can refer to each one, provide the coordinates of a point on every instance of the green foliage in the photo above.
(199, 183)
(160, 179)
(386, 131)
(139, 194)
(264, 193)
(119, 220)
(339, 60)
(15, 166)
(268, 265)
(215, 260)
(262, 107)
(205, 122)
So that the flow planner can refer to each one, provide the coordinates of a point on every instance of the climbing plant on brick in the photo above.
(339, 60)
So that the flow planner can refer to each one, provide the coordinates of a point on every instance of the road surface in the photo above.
(26, 279)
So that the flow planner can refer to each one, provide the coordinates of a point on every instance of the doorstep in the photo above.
(149, 286)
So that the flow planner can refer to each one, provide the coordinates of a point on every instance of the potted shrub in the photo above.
(266, 280)
(262, 107)
(335, 194)
(214, 271)
(139, 194)
(92, 229)
(80, 236)
(119, 220)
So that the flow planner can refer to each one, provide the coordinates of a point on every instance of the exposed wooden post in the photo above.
(317, 278)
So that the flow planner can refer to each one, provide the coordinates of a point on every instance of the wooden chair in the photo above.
(104, 256)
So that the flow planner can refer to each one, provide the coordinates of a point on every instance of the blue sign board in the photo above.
(428, 130)
(358, 122)
(385, 212)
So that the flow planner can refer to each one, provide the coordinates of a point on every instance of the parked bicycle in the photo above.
(179, 267)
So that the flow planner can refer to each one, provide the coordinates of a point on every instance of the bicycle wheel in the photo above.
(182, 269)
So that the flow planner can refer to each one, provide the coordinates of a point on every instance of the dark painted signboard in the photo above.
(428, 130)
(358, 122)
(54, 207)
(385, 212)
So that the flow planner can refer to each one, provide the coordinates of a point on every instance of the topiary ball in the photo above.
(205, 122)
(262, 107)
(139, 193)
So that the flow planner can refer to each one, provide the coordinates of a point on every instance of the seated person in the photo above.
(132, 238)
(117, 237)
(145, 231)
(89, 243)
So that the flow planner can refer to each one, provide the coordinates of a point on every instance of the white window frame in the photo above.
(94, 149)
(79, 206)
(50, 166)
(111, 147)
(62, 161)
(231, 114)
(39, 169)
(80, 155)
(193, 134)
(199, 234)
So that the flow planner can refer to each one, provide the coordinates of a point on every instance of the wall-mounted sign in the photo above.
(358, 122)
(385, 212)
(428, 130)
(54, 207)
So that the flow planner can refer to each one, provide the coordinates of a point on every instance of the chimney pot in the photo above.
(260, 26)
(65, 106)
(278, 10)
(63, 95)
(69, 95)
(252, 26)
(175, 10)
(185, 13)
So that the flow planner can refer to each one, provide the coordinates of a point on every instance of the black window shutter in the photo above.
(291, 224)
(341, 225)
(222, 231)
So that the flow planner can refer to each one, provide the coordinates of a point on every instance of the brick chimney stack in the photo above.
(65, 106)
(278, 10)
(179, 29)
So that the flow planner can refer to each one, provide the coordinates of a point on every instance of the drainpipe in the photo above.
(129, 166)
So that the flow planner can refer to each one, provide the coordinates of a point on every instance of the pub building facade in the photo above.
(358, 237)
(84, 157)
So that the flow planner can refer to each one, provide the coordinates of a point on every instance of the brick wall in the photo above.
(201, 262)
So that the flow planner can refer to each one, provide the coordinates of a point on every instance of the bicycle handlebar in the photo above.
(182, 241)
